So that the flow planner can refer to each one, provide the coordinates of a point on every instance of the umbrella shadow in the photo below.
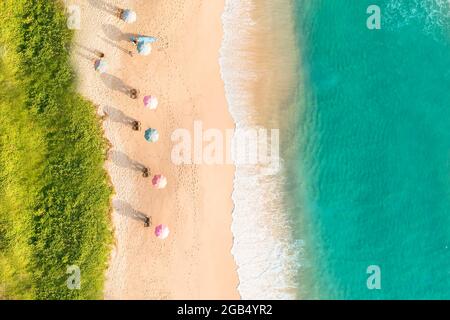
(106, 7)
(84, 56)
(115, 34)
(115, 83)
(94, 53)
(113, 44)
(127, 210)
(122, 160)
(115, 115)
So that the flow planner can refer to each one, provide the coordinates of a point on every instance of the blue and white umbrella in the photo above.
(146, 39)
(151, 135)
(143, 39)
(101, 66)
(143, 44)
(129, 16)
(144, 49)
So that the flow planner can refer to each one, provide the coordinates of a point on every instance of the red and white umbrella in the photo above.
(162, 231)
(101, 66)
(159, 181)
(151, 102)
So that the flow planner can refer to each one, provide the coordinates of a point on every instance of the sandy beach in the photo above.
(183, 71)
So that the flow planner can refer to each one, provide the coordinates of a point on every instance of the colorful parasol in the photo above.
(151, 135)
(162, 231)
(151, 102)
(159, 181)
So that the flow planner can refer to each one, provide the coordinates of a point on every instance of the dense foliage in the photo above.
(54, 191)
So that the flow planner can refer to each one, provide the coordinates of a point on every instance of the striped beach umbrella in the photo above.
(159, 181)
(143, 39)
(147, 39)
(162, 231)
(151, 135)
(129, 16)
(151, 102)
(144, 49)
(101, 66)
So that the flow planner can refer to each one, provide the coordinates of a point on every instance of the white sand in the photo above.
(183, 72)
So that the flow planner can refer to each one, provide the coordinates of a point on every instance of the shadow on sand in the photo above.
(122, 160)
(115, 34)
(127, 210)
(115, 45)
(95, 53)
(85, 56)
(116, 84)
(105, 7)
(116, 115)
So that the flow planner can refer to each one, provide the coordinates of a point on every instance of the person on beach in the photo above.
(101, 112)
(145, 172)
(133, 93)
(136, 125)
(99, 54)
(147, 222)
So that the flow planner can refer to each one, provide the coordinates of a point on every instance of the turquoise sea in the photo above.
(373, 158)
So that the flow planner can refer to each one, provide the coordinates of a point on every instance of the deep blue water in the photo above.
(374, 149)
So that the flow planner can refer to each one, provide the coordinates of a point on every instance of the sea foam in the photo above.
(265, 254)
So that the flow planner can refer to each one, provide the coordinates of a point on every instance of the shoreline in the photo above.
(183, 71)
(260, 86)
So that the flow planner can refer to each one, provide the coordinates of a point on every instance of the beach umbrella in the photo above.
(151, 135)
(151, 102)
(101, 66)
(159, 181)
(144, 48)
(143, 39)
(162, 231)
(146, 39)
(129, 16)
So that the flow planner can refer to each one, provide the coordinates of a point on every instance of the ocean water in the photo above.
(374, 149)
(364, 119)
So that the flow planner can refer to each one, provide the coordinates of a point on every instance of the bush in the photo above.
(54, 192)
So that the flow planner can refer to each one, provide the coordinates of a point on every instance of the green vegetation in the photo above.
(54, 191)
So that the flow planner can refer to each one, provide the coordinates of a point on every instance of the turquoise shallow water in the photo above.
(374, 149)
